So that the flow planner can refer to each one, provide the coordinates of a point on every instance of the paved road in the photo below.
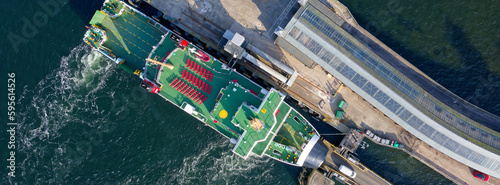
(364, 176)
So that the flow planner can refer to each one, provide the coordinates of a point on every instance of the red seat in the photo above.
(180, 86)
(198, 95)
(203, 86)
(209, 89)
(176, 84)
(188, 62)
(183, 73)
(188, 89)
(184, 88)
(173, 82)
(203, 100)
(211, 75)
(195, 93)
(190, 92)
(199, 98)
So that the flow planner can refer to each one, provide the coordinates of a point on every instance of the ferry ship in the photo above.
(256, 120)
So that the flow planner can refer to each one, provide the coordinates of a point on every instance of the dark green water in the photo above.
(456, 43)
(398, 167)
(82, 120)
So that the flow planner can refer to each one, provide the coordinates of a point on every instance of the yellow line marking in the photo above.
(147, 24)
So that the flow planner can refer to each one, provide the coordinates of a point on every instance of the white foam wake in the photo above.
(57, 102)
(217, 164)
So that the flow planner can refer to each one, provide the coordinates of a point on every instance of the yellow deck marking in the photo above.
(148, 24)
(134, 34)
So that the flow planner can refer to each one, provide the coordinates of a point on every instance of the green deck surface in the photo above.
(221, 79)
(288, 135)
(280, 116)
(285, 155)
(289, 132)
(132, 38)
(252, 135)
(160, 54)
(233, 97)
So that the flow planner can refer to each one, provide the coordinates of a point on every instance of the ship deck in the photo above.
(207, 89)
(195, 82)
(130, 37)
(252, 136)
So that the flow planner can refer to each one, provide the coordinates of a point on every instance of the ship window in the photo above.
(296, 119)
(277, 152)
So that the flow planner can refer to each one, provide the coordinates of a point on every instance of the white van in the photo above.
(347, 171)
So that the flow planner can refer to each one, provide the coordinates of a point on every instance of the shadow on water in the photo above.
(472, 81)
(469, 55)
(474, 66)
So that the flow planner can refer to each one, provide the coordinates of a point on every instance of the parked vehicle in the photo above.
(347, 171)
(481, 175)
